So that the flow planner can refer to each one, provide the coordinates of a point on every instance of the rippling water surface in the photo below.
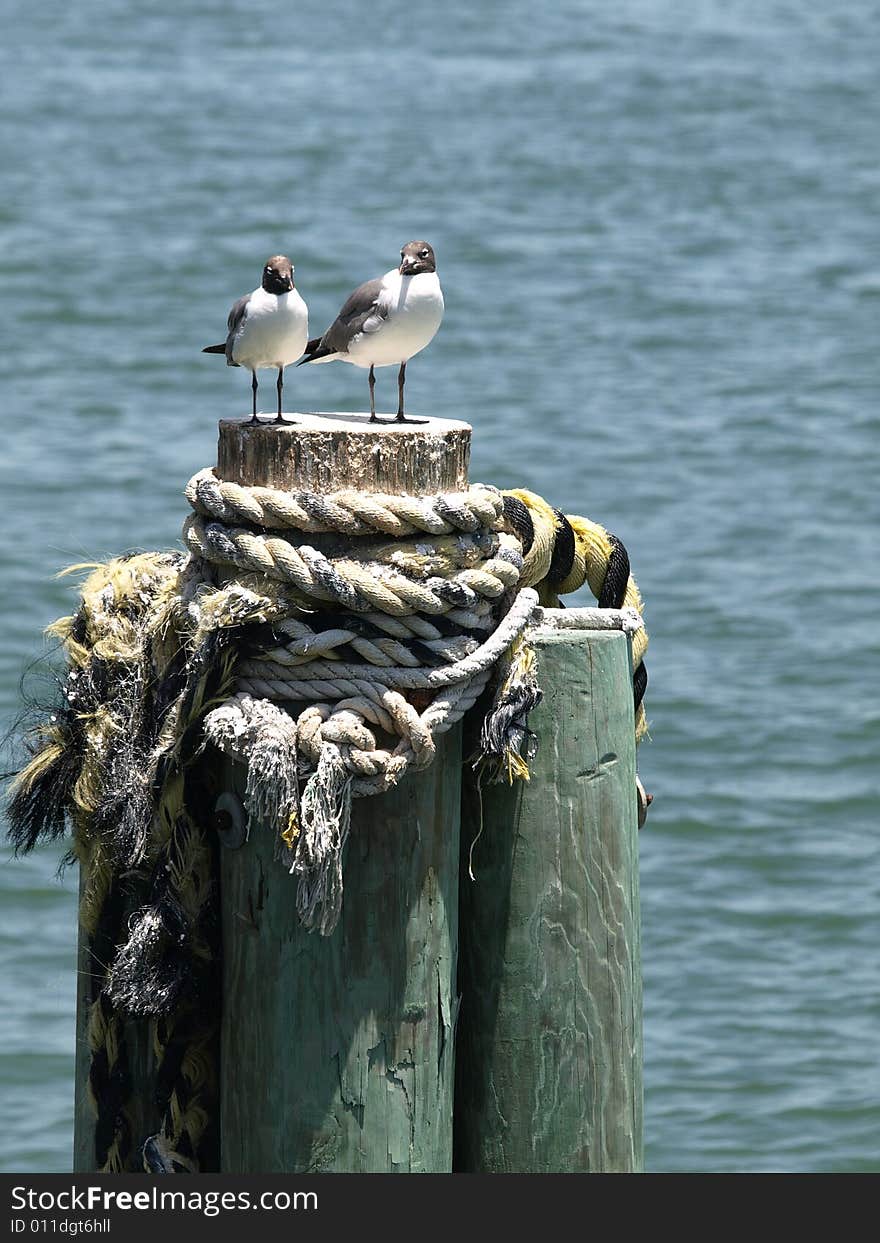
(656, 226)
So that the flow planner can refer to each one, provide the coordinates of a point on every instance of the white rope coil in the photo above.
(348, 512)
(428, 612)
(355, 585)
(362, 694)
(377, 646)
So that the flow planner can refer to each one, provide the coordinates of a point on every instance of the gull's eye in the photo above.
(423, 254)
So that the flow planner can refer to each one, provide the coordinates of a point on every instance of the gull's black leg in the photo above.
(254, 418)
(372, 383)
(401, 380)
(280, 386)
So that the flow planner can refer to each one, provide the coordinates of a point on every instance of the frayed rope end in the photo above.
(324, 825)
(507, 745)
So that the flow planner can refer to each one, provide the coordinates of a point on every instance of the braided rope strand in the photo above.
(347, 512)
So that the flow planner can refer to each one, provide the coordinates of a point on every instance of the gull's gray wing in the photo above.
(234, 321)
(364, 311)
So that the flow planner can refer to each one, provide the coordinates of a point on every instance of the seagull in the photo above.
(267, 328)
(386, 321)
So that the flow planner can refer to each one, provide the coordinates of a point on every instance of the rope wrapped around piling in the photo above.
(475, 570)
(325, 642)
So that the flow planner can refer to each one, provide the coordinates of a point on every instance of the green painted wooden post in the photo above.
(337, 1052)
(549, 1051)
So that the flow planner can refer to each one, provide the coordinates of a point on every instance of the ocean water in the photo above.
(656, 228)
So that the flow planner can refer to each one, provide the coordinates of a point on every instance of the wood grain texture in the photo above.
(337, 1052)
(549, 1049)
(327, 452)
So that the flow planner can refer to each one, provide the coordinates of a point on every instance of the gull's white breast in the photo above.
(414, 311)
(274, 332)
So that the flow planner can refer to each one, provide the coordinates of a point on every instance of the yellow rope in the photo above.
(536, 562)
(593, 549)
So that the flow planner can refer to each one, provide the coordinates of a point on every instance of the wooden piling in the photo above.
(549, 1048)
(340, 1054)
(337, 1052)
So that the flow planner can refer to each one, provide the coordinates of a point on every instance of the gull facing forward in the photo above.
(267, 328)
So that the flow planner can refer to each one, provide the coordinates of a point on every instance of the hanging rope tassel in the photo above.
(267, 736)
(507, 745)
(325, 821)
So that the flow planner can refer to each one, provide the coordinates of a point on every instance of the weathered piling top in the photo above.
(326, 452)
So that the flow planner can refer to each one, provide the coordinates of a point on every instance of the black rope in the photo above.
(563, 549)
(110, 1085)
(365, 630)
(520, 519)
(174, 1037)
(613, 591)
(640, 684)
(190, 1025)
(613, 595)
(193, 1020)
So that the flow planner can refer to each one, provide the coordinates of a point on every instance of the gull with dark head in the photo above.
(386, 321)
(267, 328)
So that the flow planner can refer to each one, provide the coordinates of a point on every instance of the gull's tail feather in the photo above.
(313, 351)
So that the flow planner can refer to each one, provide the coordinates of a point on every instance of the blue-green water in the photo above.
(656, 227)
